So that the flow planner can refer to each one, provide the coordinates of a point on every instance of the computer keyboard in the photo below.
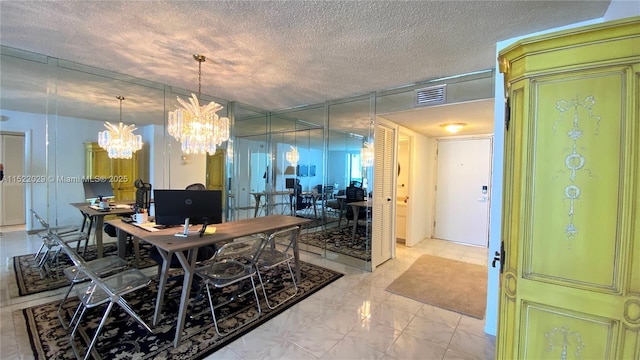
(119, 206)
(127, 219)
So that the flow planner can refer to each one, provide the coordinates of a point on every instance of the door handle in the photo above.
(388, 199)
(499, 256)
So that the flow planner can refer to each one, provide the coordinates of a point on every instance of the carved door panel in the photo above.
(570, 287)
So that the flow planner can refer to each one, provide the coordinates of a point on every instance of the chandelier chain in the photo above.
(200, 78)
(121, 98)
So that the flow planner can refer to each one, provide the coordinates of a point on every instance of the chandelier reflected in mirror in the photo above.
(198, 128)
(366, 154)
(119, 141)
(293, 156)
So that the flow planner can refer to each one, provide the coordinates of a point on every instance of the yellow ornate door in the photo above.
(570, 287)
(216, 173)
(121, 172)
(215, 170)
(125, 173)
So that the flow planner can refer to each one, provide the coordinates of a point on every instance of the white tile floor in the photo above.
(352, 318)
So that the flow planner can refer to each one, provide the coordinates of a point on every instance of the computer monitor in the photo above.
(188, 207)
(290, 183)
(97, 188)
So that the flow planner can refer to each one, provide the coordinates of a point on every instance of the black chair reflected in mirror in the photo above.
(301, 202)
(354, 194)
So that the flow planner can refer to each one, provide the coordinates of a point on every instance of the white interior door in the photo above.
(462, 191)
(12, 187)
(385, 171)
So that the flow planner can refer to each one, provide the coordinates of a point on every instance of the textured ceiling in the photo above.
(280, 54)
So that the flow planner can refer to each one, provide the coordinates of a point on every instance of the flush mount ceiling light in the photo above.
(453, 127)
(293, 156)
(198, 128)
(119, 141)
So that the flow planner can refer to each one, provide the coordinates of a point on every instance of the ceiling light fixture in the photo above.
(198, 128)
(453, 127)
(366, 154)
(293, 156)
(119, 141)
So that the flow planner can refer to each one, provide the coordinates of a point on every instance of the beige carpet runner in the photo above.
(445, 283)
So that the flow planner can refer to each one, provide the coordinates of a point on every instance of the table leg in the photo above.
(162, 284)
(341, 202)
(122, 242)
(315, 209)
(189, 269)
(296, 254)
(99, 223)
(257, 197)
(355, 222)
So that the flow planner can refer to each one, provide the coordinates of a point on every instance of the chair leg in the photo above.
(39, 250)
(105, 316)
(125, 306)
(264, 292)
(213, 314)
(64, 299)
(79, 313)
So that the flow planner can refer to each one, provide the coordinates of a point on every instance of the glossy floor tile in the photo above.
(352, 318)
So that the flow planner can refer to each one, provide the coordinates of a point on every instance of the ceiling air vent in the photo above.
(431, 96)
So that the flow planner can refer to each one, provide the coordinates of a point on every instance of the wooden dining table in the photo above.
(97, 218)
(270, 200)
(186, 250)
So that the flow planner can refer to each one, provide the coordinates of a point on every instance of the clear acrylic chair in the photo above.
(45, 234)
(229, 267)
(109, 290)
(271, 258)
(68, 234)
(75, 275)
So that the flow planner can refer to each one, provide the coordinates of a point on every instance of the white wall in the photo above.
(184, 169)
(617, 10)
(422, 182)
(337, 169)
(65, 169)
(34, 128)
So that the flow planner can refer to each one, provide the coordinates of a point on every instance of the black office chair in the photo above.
(143, 194)
(204, 252)
(353, 194)
(196, 186)
(143, 201)
(301, 202)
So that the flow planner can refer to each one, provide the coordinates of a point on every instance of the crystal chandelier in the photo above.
(293, 156)
(366, 154)
(198, 128)
(119, 141)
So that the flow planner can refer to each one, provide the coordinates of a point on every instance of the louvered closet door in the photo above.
(384, 169)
